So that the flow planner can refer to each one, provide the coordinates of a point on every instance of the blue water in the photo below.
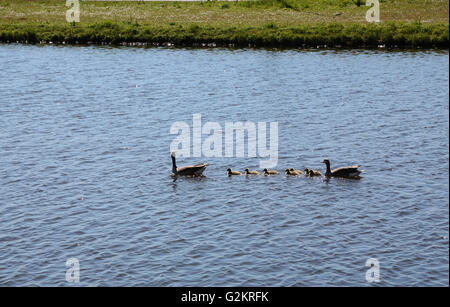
(85, 167)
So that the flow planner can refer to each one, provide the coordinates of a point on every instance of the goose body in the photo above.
(233, 173)
(296, 171)
(292, 172)
(343, 172)
(248, 172)
(270, 172)
(312, 172)
(189, 170)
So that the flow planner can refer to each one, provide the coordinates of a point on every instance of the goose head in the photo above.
(326, 161)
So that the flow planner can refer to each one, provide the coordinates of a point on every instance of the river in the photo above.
(85, 167)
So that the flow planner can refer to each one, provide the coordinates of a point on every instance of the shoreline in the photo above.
(139, 45)
(331, 35)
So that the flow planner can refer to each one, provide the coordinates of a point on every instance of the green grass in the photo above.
(263, 23)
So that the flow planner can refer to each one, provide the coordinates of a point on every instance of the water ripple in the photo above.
(85, 168)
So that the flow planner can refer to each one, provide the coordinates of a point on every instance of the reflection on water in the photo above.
(85, 167)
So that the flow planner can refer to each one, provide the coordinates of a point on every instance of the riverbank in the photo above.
(317, 35)
(262, 23)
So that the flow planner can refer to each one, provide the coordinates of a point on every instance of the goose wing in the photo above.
(346, 171)
(192, 170)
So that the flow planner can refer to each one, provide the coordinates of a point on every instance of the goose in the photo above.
(271, 172)
(247, 172)
(343, 172)
(292, 172)
(299, 172)
(312, 172)
(189, 170)
(233, 173)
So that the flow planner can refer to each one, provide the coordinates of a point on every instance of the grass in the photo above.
(265, 23)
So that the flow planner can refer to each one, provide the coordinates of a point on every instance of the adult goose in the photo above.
(343, 172)
(189, 170)
(233, 173)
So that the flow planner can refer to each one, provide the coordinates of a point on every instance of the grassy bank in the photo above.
(271, 35)
(263, 23)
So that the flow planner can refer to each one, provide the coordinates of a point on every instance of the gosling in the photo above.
(233, 173)
(248, 172)
(297, 171)
(271, 172)
(292, 172)
(312, 172)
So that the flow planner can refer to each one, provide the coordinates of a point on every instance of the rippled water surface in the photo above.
(85, 167)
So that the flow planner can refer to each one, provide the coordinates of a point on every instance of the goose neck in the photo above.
(174, 166)
(328, 172)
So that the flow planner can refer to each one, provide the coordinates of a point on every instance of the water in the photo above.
(85, 167)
